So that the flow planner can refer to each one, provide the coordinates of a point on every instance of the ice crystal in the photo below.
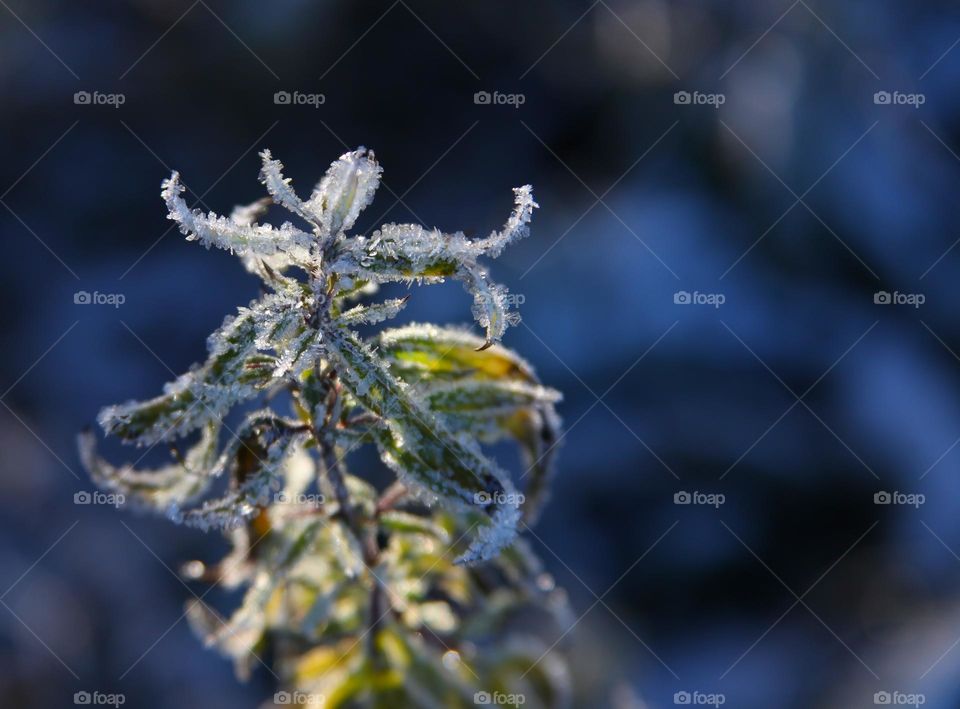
(335, 559)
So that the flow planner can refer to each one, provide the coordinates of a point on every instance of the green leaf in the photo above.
(486, 394)
(234, 371)
(419, 447)
(420, 352)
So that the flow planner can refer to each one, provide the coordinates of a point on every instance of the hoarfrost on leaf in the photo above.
(225, 233)
(345, 191)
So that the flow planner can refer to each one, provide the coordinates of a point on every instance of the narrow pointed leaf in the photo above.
(424, 451)
(224, 233)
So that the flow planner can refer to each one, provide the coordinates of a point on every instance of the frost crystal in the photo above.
(324, 555)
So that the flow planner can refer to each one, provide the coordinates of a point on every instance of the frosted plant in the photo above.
(420, 594)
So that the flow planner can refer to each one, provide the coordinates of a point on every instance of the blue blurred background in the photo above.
(705, 282)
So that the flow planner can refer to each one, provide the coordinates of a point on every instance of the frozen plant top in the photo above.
(425, 396)
(394, 252)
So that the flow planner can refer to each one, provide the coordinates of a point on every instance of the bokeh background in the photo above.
(795, 201)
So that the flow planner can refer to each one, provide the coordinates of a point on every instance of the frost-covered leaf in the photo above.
(255, 461)
(269, 268)
(491, 410)
(484, 408)
(345, 191)
(491, 304)
(158, 490)
(424, 453)
(486, 399)
(279, 187)
(422, 353)
(299, 353)
(409, 252)
(232, 373)
(487, 394)
(517, 226)
(373, 313)
(401, 252)
(225, 233)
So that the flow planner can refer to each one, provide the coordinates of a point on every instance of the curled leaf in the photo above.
(224, 233)
(160, 490)
(280, 189)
